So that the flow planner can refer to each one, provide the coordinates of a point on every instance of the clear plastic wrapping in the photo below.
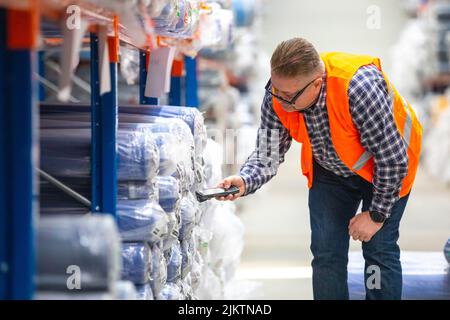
(188, 250)
(136, 262)
(159, 270)
(191, 116)
(169, 193)
(189, 207)
(173, 138)
(71, 245)
(179, 20)
(173, 229)
(174, 262)
(125, 290)
(135, 190)
(66, 153)
(141, 220)
(171, 291)
(129, 64)
(144, 292)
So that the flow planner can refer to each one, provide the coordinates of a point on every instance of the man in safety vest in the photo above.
(361, 141)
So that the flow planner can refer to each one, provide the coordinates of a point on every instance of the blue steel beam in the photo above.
(18, 187)
(104, 123)
(191, 85)
(96, 176)
(109, 124)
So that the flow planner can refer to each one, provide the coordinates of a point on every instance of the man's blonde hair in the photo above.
(295, 57)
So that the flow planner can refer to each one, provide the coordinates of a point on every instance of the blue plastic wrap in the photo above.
(89, 245)
(169, 193)
(141, 220)
(189, 207)
(191, 116)
(66, 153)
(144, 292)
(159, 270)
(135, 190)
(244, 12)
(174, 262)
(126, 190)
(171, 291)
(136, 262)
(425, 276)
(447, 251)
(179, 20)
(125, 290)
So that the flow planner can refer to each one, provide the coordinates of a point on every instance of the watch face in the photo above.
(377, 217)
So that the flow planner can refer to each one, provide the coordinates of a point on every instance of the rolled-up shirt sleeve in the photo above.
(372, 113)
(272, 143)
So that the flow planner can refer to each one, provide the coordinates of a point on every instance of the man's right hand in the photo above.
(232, 181)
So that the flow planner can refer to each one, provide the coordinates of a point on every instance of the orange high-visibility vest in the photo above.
(340, 68)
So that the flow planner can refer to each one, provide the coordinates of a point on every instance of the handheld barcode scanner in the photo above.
(210, 193)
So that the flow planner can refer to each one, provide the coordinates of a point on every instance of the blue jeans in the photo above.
(333, 201)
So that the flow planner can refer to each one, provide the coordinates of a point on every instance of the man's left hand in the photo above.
(362, 227)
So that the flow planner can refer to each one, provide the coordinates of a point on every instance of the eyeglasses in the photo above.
(294, 99)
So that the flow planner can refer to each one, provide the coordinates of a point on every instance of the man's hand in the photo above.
(232, 181)
(362, 227)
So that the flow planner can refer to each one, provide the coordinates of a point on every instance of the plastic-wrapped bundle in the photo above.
(171, 291)
(167, 146)
(169, 193)
(210, 286)
(165, 16)
(134, 190)
(186, 288)
(66, 153)
(187, 251)
(141, 220)
(228, 239)
(159, 270)
(425, 276)
(173, 229)
(244, 12)
(181, 23)
(125, 290)
(189, 207)
(191, 116)
(174, 140)
(87, 244)
(174, 262)
(186, 178)
(126, 190)
(144, 292)
(447, 251)
(196, 271)
(137, 262)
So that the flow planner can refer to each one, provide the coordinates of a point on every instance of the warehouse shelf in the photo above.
(18, 131)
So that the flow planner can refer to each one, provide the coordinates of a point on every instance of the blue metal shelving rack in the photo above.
(18, 154)
(19, 145)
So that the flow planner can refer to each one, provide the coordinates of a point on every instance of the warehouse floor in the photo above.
(277, 256)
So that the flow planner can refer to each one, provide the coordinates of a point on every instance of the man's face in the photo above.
(287, 88)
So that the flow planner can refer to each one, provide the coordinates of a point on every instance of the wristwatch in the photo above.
(377, 216)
